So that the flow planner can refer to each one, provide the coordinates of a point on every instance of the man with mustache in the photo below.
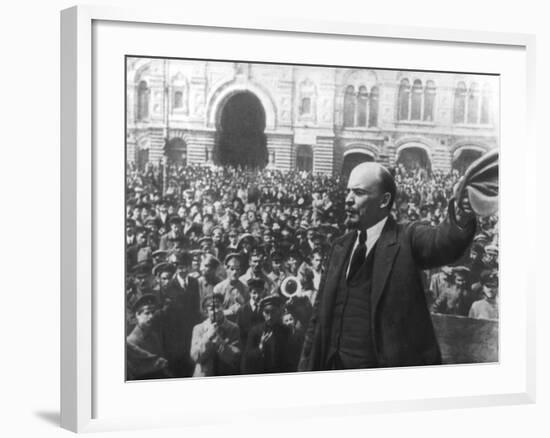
(371, 308)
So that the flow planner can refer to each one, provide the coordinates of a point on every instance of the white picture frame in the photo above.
(81, 203)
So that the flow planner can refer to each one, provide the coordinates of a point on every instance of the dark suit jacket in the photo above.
(276, 355)
(179, 317)
(400, 321)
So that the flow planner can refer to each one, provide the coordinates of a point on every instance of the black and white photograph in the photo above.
(288, 218)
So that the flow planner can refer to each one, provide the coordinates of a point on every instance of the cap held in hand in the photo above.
(480, 183)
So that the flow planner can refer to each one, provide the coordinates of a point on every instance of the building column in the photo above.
(280, 146)
(323, 155)
(156, 145)
(200, 144)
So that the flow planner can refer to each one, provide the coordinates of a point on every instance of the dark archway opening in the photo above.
(176, 151)
(464, 159)
(304, 158)
(414, 158)
(352, 160)
(240, 138)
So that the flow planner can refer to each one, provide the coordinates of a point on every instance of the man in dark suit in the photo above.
(371, 309)
(268, 347)
(180, 316)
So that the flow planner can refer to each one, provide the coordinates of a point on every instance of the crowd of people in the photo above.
(223, 264)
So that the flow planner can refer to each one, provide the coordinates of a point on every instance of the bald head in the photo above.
(370, 194)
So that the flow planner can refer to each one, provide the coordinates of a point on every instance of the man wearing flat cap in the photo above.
(371, 308)
(490, 259)
(182, 314)
(268, 343)
(163, 272)
(140, 284)
(249, 314)
(234, 291)
(487, 307)
(215, 346)
(256, 270)
(167, 241)
(454, 300)
(143, 345)
(277, 272)
(209, 278)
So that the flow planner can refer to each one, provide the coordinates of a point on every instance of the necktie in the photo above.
(358, 257)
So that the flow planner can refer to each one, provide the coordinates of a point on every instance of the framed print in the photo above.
(333, 216)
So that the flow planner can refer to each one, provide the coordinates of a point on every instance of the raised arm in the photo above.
(443, 244)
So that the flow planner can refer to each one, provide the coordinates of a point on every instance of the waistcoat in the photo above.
(351, 340)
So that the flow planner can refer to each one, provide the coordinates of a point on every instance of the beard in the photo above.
(351, 221)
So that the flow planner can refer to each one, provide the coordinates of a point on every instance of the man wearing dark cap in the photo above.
(218, 244)
(209, 277)
(248, 315)
(234, 291)
(487, 307)
(167, 241)
(293, 261)
(453, 300)
(140, 284)
(162, 216)
(143, 345)
(130, 232)
(181, 316)
(163, 272)
(215, 346)
(205, 245)
(267, 347)
(316, 263)
(255, 270)
(371, 308)
(140, 250)
(278, 272)
(440, 282)
(490, 258)
(232, 240)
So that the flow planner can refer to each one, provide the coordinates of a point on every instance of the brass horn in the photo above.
(290, 286)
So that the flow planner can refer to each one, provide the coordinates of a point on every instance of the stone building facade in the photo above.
(314, 118)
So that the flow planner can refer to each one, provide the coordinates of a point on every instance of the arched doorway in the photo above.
(353, 159)
(304, 158)
(414, 158)
(176, 151)
(240, 137)
(464, 158)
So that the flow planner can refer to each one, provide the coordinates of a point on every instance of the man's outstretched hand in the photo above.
(463, 210)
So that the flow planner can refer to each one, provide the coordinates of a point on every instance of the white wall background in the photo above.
(29, 187)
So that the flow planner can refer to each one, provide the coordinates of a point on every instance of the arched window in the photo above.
(307, 100)
(459, 115)
(473, 103)
(403, 100)
(349, 106)
(416, 100)
(305, 107)
(429, 99)
(178, 99)
(180, 93)
(485, 99)
(304, 158)
(373, 106)
(362, 98)
(142, 101)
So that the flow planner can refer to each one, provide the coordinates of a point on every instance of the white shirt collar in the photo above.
(373, 233)
(182, 281)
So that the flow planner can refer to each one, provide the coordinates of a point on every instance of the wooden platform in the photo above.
(466, 340)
